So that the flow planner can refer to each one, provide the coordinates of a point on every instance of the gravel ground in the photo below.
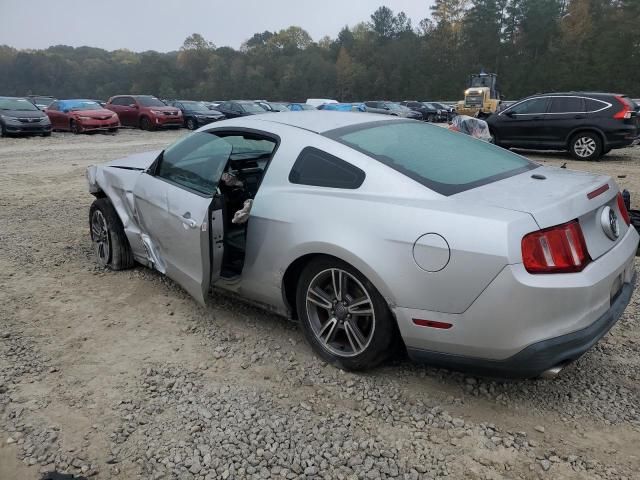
(122, 375)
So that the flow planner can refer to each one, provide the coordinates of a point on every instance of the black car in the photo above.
(196, 114)
(429, 112)
(447, 112)
(587, 124)
(20, 116)
(240, 108)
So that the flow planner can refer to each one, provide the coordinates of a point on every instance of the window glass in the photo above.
(119, 101)
(53, 107)
(444, 161)
(20, 104)
(592, 105)
(318, 168)
(198, 160)
(195, 162)
(252, 108)
(566, 105)
(530, 107)
(150, 102)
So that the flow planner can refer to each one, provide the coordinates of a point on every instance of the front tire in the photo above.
(343, 316)
(109, 239)
(75, 127)
(145, 124)
(586, 146)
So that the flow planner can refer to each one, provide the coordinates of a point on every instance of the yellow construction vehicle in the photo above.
(482, 97)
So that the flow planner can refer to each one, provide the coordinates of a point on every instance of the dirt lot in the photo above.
(122, 375)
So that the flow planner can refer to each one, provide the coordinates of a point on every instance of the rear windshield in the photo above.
(444, 161)
(252, 107)
(196, 106)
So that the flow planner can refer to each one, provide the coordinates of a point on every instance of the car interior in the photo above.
(247, 163)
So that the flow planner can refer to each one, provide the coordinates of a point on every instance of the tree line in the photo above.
(533, 46)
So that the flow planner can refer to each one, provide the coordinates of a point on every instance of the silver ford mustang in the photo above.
(373, 232)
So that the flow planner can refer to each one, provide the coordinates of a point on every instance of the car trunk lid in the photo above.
(553, 196)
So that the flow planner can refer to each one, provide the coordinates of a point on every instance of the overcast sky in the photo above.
(163, 25)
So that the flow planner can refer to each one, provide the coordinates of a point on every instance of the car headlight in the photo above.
(83, 117)
(157, 112)
(8, 118)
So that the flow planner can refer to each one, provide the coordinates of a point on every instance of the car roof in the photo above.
(551, 94)
(317, 121)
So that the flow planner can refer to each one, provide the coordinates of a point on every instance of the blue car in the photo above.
(299, 107)
(343, 107)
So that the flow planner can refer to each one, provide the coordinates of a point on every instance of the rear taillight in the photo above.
(626, 111)
(623, 209)
(559, 249)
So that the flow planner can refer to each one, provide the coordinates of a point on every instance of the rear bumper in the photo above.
(518, 312)
(540, 356)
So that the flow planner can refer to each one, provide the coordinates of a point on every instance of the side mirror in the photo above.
(133, 105)
(509, 114)
(66, 110)
(386, 108)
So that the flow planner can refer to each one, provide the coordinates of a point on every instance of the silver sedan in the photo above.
(375, 232)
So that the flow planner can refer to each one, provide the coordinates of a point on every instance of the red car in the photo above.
(144, 111)
(80, 116)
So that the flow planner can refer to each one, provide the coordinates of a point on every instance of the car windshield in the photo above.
(279, 107)
(20, 104)
(252, 108)
(394, 106)
(150, 102)
(80, 105)
(444, 161)
(196, 106)
(43, 100)
(305, 106)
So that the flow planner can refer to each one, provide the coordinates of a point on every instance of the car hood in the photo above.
(138, 161)
(23, 113)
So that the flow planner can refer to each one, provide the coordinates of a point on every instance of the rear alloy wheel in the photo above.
(343, 316)
(145, 124)
(191, 124)
(110, 242)
(586, 146)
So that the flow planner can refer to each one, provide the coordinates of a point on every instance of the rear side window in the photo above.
(593, 105)
(320, 169)
(530, 107)
(444, 161)
(566, 105)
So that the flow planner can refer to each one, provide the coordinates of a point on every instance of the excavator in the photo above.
(482, 97)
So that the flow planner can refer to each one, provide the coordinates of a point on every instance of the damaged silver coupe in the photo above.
(369, 230)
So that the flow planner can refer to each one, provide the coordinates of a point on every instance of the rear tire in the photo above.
(341, 331)
(46, 134)
(107, 234)
(586, 146)
(113, 130)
